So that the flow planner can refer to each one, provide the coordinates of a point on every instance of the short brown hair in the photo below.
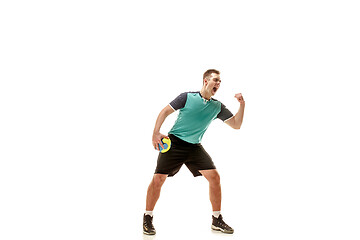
(209, 72)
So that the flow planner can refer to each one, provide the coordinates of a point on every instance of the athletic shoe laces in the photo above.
(221, 223)
(148, 222)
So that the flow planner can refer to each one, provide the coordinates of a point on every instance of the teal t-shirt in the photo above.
(195, 116)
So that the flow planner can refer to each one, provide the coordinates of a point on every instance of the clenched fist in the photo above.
(240, 98)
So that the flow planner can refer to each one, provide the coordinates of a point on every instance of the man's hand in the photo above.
(236, 121)
(240, 98)
(157, 136)
(156, 140)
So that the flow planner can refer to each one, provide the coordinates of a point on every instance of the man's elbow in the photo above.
(237, 126)
(233, 123)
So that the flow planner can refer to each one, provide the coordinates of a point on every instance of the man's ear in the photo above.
(205, 81)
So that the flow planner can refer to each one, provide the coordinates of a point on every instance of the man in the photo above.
(197, 111)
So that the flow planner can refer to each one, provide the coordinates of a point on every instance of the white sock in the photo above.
(149, 213)
(216, 213)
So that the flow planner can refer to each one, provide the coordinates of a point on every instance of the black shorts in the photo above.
(181, 152)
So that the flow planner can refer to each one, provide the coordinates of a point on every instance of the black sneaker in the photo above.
(148, 227)
(218, 224)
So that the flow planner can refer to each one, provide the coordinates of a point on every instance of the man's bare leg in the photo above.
(218, 223)
(153, 192)
(214, 188)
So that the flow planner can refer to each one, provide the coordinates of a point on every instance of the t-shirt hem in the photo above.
(183, 138)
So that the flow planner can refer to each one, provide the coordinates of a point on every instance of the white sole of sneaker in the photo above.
(220, 229)
(146, 233)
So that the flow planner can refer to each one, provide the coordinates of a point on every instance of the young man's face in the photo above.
(212, 84)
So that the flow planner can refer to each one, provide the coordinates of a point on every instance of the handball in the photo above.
(166, 143)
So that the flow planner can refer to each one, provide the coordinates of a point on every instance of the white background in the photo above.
(82, 83)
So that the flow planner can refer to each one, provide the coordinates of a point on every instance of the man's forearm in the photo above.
(239, 116)
(159, 121)
(161, 118)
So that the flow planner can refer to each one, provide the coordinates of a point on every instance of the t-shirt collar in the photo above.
(205, 100)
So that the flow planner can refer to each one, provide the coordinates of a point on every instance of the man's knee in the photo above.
(215, 178)
(158, 180)
(212, 176)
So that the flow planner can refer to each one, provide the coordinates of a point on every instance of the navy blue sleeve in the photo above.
(224, 113)
(179, 102)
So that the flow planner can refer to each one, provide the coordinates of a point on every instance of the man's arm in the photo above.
(236, 121)
(157, 136)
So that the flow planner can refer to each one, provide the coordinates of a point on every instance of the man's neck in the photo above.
(204, 94)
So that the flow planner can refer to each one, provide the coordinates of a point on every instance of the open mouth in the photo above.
(215, 89)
